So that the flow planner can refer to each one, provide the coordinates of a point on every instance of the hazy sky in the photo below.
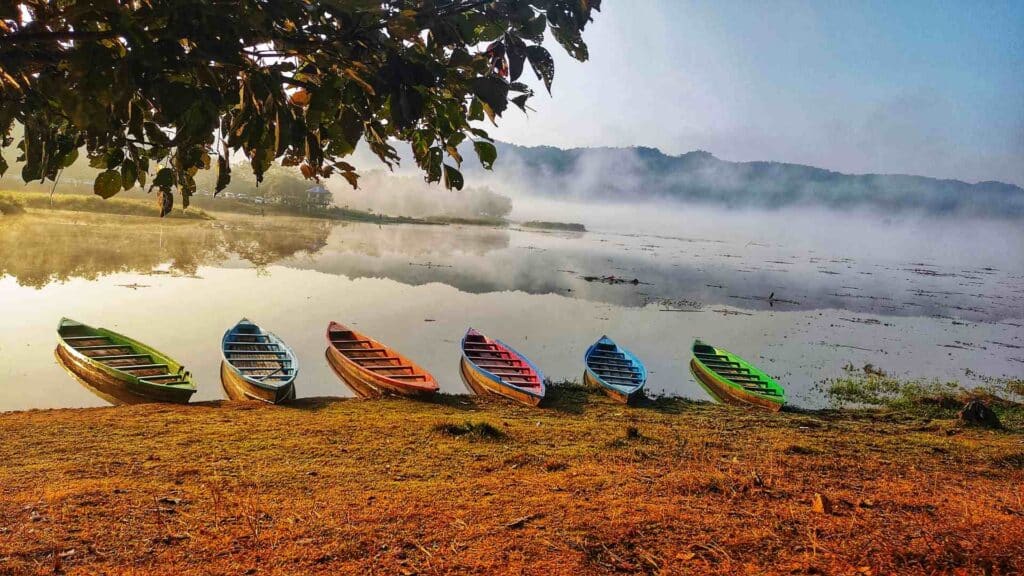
(930, 88)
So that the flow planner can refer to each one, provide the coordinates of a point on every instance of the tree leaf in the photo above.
(492, 91)
(164, 179)
(223, 174)
(452, 177)
(486, 152)
(542, 63)
(107, 184)
(129, 173)
(165, 199)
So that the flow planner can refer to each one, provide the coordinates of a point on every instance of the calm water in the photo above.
(914, 297)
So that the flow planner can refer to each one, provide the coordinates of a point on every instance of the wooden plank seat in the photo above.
(509, 366)
(128, 368)
(407, 376)
(369, 360)
(102, 347)
(124, 356)
(614, 365)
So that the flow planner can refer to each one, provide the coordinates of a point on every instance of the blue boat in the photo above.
(257, 365)
(615, 370)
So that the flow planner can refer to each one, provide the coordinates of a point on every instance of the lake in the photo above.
(802, 294)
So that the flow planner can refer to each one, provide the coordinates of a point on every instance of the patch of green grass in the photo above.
(800, 450)
(563, 226)
(922, 398)
(84, 203)
(472, 431)
(481, 221)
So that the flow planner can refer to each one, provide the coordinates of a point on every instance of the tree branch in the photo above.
(61, 36)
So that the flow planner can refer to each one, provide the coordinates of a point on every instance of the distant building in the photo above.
(318, 197)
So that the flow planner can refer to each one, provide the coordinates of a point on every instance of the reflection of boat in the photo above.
(116, 366)
(257, 365)
(731, 379)
(371, 368)
(614, 369)
(490, 365)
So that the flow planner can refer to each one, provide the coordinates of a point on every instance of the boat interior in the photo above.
(373, 357)
(727, 368)
(123, 357)
(499, 361)
(613, 366)
(258, 356)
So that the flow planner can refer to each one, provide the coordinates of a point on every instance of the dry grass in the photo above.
(582, 487)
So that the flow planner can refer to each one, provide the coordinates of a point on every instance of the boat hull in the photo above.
(617, 395)
(370, 384)
(725, 392)
(123, 388)
(477, 381)
(238, 388)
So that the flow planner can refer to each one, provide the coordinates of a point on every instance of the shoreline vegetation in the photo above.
(561, 226)
(470, 484)
(17, 202)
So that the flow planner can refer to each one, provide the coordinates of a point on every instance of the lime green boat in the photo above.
(121, 367)
(732, 380)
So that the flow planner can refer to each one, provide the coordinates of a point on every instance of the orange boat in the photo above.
(371, 368)
(492, 366)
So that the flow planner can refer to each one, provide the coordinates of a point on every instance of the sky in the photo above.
(913, 87)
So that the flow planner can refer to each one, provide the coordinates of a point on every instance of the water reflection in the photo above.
(113, 395)
(40, 249)
(673, 272)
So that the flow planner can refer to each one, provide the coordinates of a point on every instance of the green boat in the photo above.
(732, 380)
(120, 367)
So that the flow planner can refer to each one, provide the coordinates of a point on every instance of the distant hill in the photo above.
(641, 174)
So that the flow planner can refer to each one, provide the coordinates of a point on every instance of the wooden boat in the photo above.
(493, 366)
(731, 379)
(615, 370)
(257, 365)
(371, 368)
(106, 360)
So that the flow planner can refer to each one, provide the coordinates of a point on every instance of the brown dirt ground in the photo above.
(330, 486)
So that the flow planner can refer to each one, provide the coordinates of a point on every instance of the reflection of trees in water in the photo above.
(39, 249)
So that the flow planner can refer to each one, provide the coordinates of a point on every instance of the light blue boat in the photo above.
(615, 370)
(257, 365)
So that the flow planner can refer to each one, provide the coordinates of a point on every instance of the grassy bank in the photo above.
(233, 206)
(498, 222)
(465, 485)
(135, 204)
(12, 202)
(563, 226)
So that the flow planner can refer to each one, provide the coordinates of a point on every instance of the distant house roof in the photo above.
(318, 189)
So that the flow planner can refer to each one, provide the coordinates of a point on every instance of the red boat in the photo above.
(492, 366)
(371, 368)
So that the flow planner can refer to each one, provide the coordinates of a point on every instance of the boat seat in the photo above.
(405, 376)
(141, 367)
(70, 338)
(102, 347)
(369, 359)
(380, 369)
(362, 349)
(123, 356)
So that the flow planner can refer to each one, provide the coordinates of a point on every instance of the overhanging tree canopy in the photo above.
(177, 86)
